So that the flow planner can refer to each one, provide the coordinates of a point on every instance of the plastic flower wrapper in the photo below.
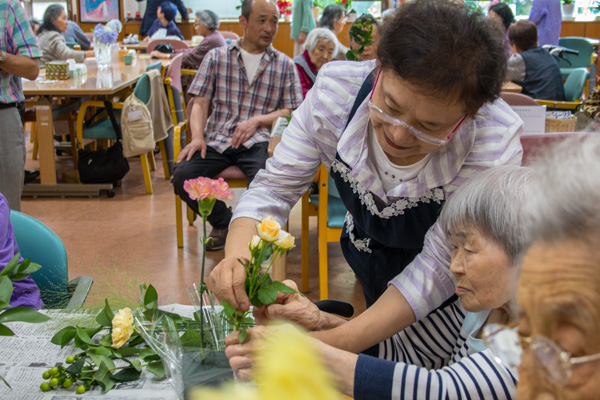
(287, 367)
(269, 242)
(206, 191)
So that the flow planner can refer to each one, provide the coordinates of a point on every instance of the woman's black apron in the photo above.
(379, 248)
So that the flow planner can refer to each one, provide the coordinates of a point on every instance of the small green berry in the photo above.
(68, 383)
(70, 360)
(53, 382)
(46, 375)
(45, 387)
(80, 389)
(54, 371)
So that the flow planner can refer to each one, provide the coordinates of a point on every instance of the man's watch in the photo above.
(3, 56)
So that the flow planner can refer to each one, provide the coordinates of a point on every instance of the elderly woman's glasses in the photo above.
(425, 137)
(507, 345)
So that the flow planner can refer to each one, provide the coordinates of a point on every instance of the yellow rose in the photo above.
(255, 243)
(122, 327)
(284, 241)
(268, 229)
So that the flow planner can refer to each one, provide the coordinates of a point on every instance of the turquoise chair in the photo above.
(71, 44)
(581, 61)
(331, 212)
(574, 86)
(37, 242)
(157, 65)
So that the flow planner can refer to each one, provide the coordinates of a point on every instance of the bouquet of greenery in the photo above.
(361, 33)
(269, 242)
(121, 351)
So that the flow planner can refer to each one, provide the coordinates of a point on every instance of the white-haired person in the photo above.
(443, 355)
(319, 48)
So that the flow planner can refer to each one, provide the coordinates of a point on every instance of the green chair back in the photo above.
(157, 65)
(39, 243)
(142, 88)
(71, 44)
(583, 59)
(574, 84)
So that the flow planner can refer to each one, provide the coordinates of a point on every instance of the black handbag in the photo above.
(164, 48)
(104, 166)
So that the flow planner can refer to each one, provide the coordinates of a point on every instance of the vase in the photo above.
(103, 52)
(567, 10)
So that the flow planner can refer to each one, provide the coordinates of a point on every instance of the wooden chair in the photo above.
(331, 212)
(517, 99)
(233, 175)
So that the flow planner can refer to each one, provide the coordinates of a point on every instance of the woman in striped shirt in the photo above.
(442, 356)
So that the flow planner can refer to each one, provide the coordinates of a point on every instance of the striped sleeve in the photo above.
(427, 281)
(310, 139)
(476, 376)
(19, 37)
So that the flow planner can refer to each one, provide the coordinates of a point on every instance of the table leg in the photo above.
(45, 128)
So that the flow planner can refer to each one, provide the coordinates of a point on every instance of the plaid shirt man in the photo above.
(222, 79)
(18, 39)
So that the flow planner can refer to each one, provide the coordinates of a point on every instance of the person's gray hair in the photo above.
(493, 203)
(208, 19)
(566, 202)
(331, 13)
(318, 34)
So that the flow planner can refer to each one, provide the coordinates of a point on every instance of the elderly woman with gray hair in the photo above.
(442, 355)
(320, 46)
(50, 38)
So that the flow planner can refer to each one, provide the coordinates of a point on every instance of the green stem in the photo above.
(204, 218)
(115, 368)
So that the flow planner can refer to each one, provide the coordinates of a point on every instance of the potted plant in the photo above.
(568, 7)
(316, 9)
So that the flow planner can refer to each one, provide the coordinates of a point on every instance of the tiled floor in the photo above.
(130, 239)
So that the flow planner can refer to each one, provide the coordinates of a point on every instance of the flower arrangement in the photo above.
(206, 191)
(285, 7)
(270, 240)
(121, 352)
(108, 34)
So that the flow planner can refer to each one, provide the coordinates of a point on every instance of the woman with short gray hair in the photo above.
(320, 46)
(206, 24)
(333, 19)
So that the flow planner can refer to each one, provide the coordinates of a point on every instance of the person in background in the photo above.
(320, 46)
(334, 18)
(150, 14)
(303, 22)
(248, 84)
(19, 52)
(547, 16)
(164, 26)
(531, 66)
(50, 38)
(75, 34)
(206, 24)
(25, 292)
(34, 24)
(370, 51)
(501, 15)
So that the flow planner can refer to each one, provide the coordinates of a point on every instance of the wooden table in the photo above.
(95, 83)
(141, 46)
(511, 87)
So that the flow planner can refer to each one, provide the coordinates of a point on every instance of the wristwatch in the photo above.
(3, 56)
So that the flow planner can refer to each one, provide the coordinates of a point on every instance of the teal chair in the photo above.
(574, 86)
(37, 242)
(71, 44)
(331, 212)
(157, 65)
(583, 60)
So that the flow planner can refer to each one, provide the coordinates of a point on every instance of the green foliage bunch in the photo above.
(361, 33)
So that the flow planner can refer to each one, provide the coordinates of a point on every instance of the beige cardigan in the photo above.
(54, 47)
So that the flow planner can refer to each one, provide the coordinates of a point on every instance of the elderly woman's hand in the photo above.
(291, 307)
(241, 355)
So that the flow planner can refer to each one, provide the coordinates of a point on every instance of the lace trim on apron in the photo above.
(394, 209)
(360, 244)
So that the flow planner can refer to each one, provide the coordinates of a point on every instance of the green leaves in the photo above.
(24, 314)
(106, 315)
(64, 336)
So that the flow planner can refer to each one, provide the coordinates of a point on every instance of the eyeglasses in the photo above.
(507, 345)
(388, 119)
